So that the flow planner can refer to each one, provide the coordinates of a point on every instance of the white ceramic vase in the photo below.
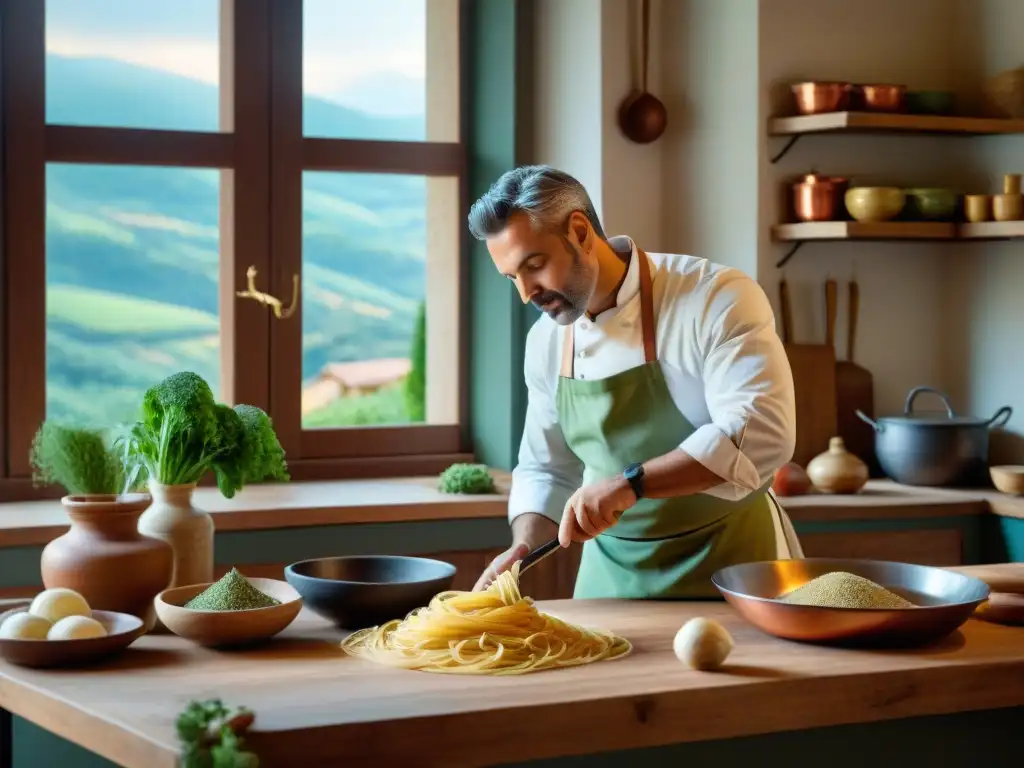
(173, 518)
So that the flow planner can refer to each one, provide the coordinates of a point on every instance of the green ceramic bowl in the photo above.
(930, 102)
(932, 204)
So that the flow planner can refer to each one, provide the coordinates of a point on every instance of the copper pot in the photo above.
(883, 98)
(813, 98)
(819, 198)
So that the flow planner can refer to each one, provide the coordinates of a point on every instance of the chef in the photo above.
(660, 400)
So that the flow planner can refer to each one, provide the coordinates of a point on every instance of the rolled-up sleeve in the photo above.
(547, 472)
(748, 388)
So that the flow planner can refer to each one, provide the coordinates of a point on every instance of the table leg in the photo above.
(6, 739)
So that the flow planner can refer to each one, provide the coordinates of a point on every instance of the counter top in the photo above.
(314, 705)
(395, 500)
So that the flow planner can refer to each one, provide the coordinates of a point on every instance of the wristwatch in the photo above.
(634, 475)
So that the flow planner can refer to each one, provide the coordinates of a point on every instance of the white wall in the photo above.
(585, 54)
(940, 314)
(986, 283)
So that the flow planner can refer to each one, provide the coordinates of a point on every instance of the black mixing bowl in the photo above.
(366, 590)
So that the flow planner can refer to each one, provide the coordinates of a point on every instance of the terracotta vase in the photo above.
(105, 558)
(172, 518)
(837, 470)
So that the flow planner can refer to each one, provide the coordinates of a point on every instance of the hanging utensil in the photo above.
(642, 116)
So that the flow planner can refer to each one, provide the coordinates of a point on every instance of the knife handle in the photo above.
(784, 308)
(830, 312)
(851, 332)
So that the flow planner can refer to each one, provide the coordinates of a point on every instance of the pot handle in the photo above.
(868, 420)
(1002, 416)
(908, 408)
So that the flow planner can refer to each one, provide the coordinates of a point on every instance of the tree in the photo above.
(416, 381)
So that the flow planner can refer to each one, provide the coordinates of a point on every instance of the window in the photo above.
(269, 193)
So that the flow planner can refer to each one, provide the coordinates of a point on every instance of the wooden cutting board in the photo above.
(814, 382)
(1006, 603)
(855, 390)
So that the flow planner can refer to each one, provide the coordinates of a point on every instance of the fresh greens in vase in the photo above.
(184, 433)
(81, 460)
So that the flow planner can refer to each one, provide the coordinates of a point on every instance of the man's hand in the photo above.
(529, 531)
(595, 508)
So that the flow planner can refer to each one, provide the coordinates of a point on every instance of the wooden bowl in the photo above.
(1008, 478)
(123, 629)
(228, 628)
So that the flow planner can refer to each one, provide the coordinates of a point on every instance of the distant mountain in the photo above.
(390, 94)
(132, 252)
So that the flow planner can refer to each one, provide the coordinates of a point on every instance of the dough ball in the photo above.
(24, 626)
(702, 644)
(58, 603)
(76, 628)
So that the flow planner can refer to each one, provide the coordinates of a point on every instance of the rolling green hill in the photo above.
(132, 252)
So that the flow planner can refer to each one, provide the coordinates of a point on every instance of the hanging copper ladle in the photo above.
(642, 116)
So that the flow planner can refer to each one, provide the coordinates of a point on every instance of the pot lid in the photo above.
(935, 421)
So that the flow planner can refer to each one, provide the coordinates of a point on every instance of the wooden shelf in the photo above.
(991, 230)
(856, 230)
(870, 122)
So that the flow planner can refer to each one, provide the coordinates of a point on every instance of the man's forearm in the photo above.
(533, 529)
(676, 473)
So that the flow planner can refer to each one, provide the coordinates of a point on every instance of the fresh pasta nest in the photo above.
(496, 631)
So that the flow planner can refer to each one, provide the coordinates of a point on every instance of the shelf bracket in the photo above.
(788, 146)
(796, 247)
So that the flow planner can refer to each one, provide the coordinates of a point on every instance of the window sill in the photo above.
(288, 505)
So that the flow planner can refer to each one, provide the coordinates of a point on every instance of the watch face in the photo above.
(634, 470)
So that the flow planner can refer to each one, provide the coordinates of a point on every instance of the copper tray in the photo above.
(945, 600)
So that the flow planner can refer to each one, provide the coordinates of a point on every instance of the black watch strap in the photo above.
(634, 475)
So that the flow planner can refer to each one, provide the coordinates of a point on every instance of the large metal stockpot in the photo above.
(934, 451)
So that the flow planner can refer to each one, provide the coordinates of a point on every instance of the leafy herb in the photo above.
(185, 433)
(211, 736)
(77, 458)
(467, 478)
(232, 592)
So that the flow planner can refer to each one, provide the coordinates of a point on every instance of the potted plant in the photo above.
(103, 542)
(182, 435)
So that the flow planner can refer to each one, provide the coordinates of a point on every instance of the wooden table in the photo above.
(316, 706)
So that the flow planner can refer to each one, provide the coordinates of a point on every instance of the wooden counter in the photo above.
(401, 500)
(316, 706)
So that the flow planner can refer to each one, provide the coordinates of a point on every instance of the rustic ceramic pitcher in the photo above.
(172, 518)
(105, 558)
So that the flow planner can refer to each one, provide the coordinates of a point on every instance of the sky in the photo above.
(347, 42)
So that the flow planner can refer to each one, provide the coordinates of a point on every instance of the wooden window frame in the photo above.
(261, 152)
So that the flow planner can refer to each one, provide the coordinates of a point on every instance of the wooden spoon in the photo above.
(642, 116)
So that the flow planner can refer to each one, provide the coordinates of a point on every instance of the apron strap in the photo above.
(646, 321)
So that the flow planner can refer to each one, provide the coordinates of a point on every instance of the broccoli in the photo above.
(184, 433)
(254, 455)
(467, 478)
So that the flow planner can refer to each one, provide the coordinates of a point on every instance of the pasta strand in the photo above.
(497, 631)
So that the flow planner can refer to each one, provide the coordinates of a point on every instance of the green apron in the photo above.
(660, 548)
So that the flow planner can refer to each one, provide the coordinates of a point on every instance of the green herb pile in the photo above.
(79, 459)
(232, 592)
(467, 478)
(184, 433)
(211, 736)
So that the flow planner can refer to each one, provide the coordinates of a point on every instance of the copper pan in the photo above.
(882, 97)
(945, 599)
(815, 97)
(819, 198)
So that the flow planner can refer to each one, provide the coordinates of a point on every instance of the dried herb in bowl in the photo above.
(232, 592)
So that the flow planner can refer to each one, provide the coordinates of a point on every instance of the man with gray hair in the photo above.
(660, 400)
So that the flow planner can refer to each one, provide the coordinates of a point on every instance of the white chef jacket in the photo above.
(724, 364)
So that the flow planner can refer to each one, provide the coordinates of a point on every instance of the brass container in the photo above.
(1007, 207)
(883, 98)
(819, 198)
(814, 98)
(1011, 184)
(977, 208)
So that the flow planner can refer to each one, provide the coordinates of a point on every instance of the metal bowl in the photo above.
(945, 600)
(365, 590)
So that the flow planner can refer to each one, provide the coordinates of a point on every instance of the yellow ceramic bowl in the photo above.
(1008, 478)
(875, 203)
